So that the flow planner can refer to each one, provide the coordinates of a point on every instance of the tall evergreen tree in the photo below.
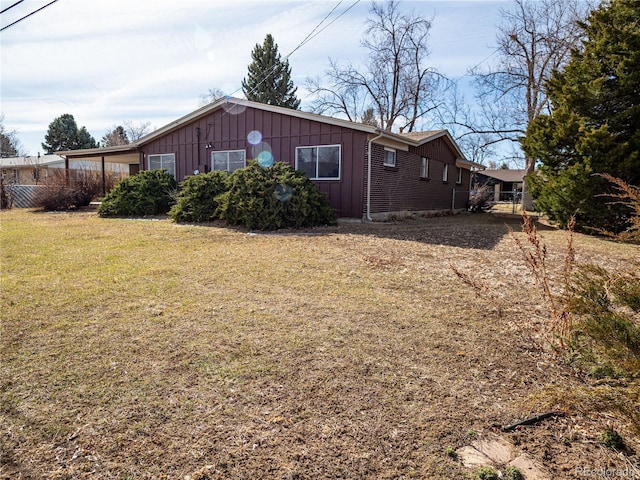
(64, 134)
(269, 77)
(594, 124)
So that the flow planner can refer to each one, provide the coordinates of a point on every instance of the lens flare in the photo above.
(254, 137)
(263, 154)
(283, 192)
(234, 108)
(265, 159)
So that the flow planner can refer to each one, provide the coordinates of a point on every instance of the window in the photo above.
(319, 163)
(445, 173)
(228, 160)
(165, 161)
(389, 157)
(424, 168)
(459, 179)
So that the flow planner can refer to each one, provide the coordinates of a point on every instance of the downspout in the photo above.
(368, 217)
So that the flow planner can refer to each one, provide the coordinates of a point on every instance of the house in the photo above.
(505, 184)
(28, 170)
(24, 177)
(366, 172)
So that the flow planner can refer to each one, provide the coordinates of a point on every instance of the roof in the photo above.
(505, 175)
(27, 161)
(423, 136)
(235, 105)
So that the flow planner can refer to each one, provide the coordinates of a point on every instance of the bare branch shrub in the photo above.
(593, 320)
(480, 199)
(6, 193)
(534, 254)
(73, 189)
(628, 195)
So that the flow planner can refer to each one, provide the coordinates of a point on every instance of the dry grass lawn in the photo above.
(147, 349)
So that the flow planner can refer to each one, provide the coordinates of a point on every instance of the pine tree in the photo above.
(594, 125)
(64, 134)
(269, 77)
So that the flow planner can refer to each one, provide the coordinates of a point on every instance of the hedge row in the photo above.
(255, 197)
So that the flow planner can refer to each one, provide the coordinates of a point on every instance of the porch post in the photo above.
(66, 170)
(104, 179)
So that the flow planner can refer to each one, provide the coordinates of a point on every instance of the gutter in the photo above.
(368, 214)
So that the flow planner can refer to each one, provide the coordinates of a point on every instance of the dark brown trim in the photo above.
(104, 179)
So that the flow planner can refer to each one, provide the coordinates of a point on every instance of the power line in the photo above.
(11, 6)
(26, 16)
(306, 40)
(311, 37)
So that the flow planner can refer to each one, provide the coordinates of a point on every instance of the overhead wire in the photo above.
(26, 16)
(314, 33)
(11, 6)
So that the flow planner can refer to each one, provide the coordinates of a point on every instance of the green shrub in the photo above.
(451, 453)
(612, 439)
(196, 201)
(271, 198)
(513, 473)
(148, 193)
(606, 333)
(487, 473)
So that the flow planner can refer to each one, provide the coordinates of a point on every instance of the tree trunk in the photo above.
(527, 199)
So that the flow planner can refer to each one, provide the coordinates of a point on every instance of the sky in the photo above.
(111, 61)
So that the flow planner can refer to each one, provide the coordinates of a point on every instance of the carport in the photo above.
(120, 154)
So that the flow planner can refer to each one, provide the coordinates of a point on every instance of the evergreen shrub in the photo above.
(150, 192)
(272, 198)
(196, 201)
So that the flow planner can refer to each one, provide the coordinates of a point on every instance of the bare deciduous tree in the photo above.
(115, 136)
(211, 96)
(395, 81)
(10, 145)
(534, 39)
(135, 131)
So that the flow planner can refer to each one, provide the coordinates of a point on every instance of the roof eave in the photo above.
(235, 105)
(100, 151)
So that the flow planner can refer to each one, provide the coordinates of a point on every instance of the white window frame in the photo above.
(388, 151)
(459, 179)
(424, 167)
(317, 147)
(164, 158)
(244, 155)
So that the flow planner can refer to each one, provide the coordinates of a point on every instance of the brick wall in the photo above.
(400, 188)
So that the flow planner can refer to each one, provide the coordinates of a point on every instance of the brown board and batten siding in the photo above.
(226, 124)
(227, 129)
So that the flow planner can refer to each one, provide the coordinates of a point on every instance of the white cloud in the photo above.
(106, 61)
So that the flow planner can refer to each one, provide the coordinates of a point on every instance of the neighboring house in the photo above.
(23, 177)
(28, 170)
(366, 172)
(505, 184)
